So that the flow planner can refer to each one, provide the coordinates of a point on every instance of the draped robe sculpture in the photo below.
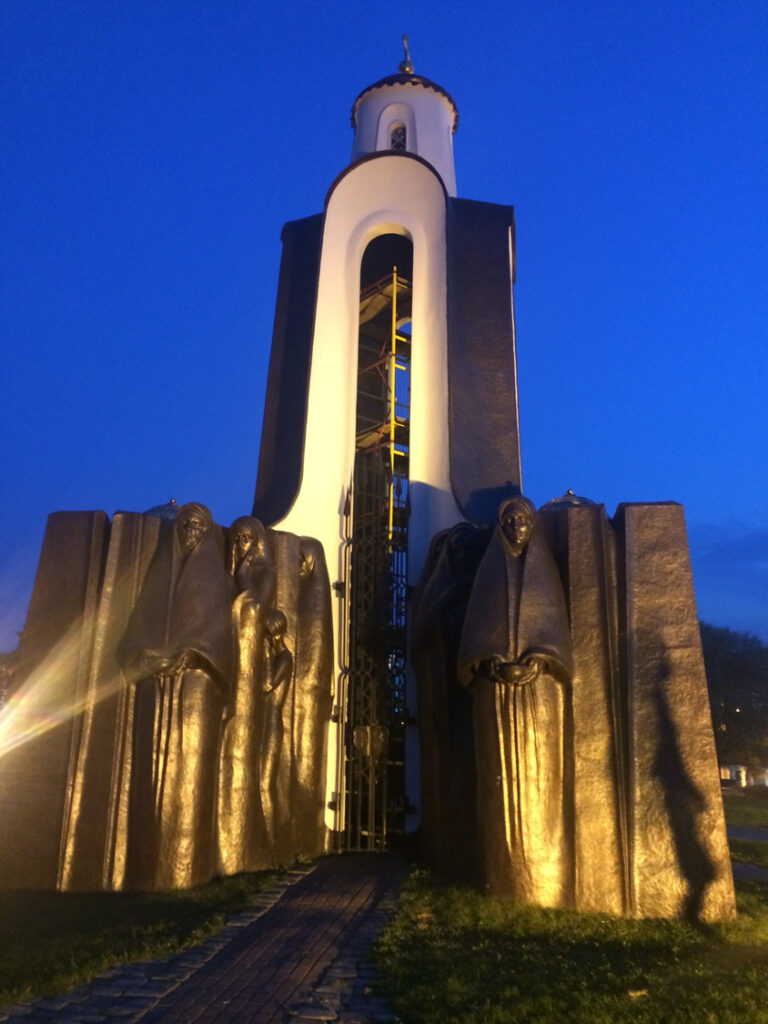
(177, 654)
(228, 758)
(515, 655)
(244, 841)
(312, 696)
(596, 787)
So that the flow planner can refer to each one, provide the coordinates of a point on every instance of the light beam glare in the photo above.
(58, 690)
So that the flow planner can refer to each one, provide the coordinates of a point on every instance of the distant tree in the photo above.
(737, 677)
(8, 668)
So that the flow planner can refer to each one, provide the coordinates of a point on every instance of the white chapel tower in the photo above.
(391, 410)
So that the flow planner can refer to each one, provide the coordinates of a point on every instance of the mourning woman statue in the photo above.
(252, 566)
(515, 655)
(243, 842)
(177, 649)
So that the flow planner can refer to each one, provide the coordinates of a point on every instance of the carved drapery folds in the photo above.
(177, 653)
(593, 757)
(201, 692)
(515, 654)
(242, 827)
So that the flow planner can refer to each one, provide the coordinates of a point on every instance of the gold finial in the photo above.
(406, 65)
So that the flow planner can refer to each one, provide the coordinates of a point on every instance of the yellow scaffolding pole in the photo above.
(392, 383)
(394, 422)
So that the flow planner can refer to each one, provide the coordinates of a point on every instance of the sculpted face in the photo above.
(242, 542)
(191, 527)
(459, 545)
(247, 540)
(517, 524)
(306, 563)
(276, 624)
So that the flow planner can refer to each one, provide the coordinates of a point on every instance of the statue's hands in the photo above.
(535, 666)
(491, 669)
(516, 673)
(154, 664)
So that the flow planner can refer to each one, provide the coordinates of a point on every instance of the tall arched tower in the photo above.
(391, 409)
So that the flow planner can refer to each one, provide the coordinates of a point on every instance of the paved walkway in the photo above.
(298, 955)
(748, 872)
(747, 832)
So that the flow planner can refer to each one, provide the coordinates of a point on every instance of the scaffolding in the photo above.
(376, 574)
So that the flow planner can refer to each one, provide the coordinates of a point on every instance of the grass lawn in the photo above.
(50, 942)
(453, 956)
(749, 851)
(450, 956)
(746, 806)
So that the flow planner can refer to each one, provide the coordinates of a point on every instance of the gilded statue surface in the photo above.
(231, 699)
(177, 651)
(243, 832)
(278, 673)
(567, 758)
(515, 655)
(312, 695)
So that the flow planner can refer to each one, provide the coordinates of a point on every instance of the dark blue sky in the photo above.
(153, 149)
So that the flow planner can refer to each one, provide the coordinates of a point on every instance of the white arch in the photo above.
(390, 194)
(370, 201)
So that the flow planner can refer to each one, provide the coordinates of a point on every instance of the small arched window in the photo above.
(397, 140)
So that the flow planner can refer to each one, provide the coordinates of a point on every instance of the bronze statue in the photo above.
(279, 660)
(243, 835)
(177, 651)
(312, 697)
(278, 672)
(515, 655)
(591, 784)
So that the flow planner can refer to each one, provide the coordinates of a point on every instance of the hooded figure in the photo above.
(515, 654)
(243, 831)
(177, 649)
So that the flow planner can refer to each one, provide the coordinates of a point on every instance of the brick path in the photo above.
(297, 955)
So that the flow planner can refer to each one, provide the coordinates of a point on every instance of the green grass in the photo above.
(749, 851)
(746, 806)
(50, 942)
(453, 956)
(450, 955)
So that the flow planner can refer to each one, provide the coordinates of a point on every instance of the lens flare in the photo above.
(55, 692)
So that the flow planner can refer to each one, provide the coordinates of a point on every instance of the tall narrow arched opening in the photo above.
(377, 523)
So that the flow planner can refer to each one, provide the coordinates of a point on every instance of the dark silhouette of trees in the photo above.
(737, 676)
